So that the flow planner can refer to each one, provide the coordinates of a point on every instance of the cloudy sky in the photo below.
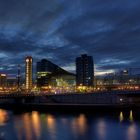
(61, 30)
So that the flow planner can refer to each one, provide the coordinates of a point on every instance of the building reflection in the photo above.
(36, 122)
(131, 116)
(121, 117)
(3, 116)
(79, 125)
(18, 127)
(81, 121)
(101, 129)
(51, 122)
(64, 121)
(132, 132)
(51, 126)
(27, 126)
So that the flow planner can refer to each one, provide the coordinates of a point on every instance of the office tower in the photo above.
(29, 72)
(48, 73)
(3, 80)
(84, 70)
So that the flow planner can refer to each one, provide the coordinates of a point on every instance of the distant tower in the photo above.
(84, 70)
(29, 71)
(18, 78)
(3, 80)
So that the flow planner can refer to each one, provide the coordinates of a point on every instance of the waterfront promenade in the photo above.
(97, 100)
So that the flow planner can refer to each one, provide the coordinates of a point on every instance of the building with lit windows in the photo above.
(117, 79)
(29, 72)
(63, 80)
(48, 73)
(11, 81)
(3, 80)
(84, 70)
(43, 78)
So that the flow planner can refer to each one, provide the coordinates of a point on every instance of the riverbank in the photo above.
(104, 101)
(70, 107)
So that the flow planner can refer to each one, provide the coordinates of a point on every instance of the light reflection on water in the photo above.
(51, 126)
(79, 125)
(132, 132)
(101, 129)
(50, 122)
(42, 126)
(36, 124)
(3, 117)
(27, 126)
(131, 116)
(121, 116)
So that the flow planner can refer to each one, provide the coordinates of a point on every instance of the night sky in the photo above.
(61, 30)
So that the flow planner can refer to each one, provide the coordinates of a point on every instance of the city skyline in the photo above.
(107, 31)
(133, 70)
(69, 69)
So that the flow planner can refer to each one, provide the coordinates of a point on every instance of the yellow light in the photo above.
(121, 117)
(27, 126)
(36, 123)
(82, 123)
(3, 74)
(3, 116)
(131, 116)
(51, 122)
(27, 60)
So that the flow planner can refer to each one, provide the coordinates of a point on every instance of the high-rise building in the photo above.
(29, 71)
(48, 73)
(84, 70)
(3, 80)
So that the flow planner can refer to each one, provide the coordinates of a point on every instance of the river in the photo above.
(36, 125)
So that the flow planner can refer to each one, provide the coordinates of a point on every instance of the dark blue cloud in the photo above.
(61, 30)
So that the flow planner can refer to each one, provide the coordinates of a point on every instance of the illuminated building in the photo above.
(48, 73)
(29, 72)
(3, 80)
(11, 81)
(43, 78)
(84, 70)
(125, 72)
(63, 80)
(44, 68)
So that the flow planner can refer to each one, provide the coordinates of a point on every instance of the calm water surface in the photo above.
(46, 126)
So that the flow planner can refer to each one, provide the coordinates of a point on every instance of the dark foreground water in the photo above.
(78, 126)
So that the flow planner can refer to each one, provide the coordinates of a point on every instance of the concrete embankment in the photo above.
(74, 102)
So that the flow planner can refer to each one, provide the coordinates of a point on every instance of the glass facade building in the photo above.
(48, 73)
(84, 70)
